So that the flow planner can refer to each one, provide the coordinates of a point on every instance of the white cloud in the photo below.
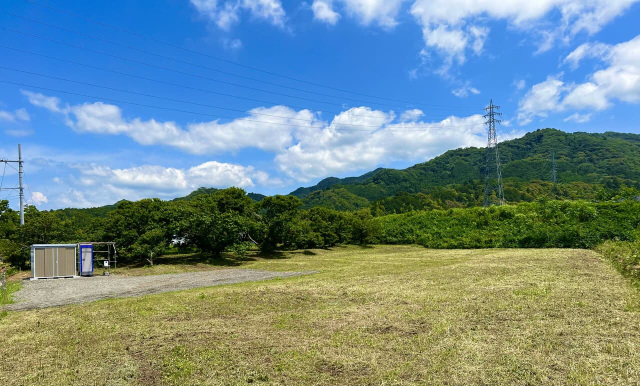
(479, 35)
(17, 115)
(444, 20)
(167, 179)
(619, 81)
(578, 118)
(50, 103)
(270, 129)
(520, 84)
(380, 12)
(226, 13)
(411, 115)
(323, 11)
(38, 198)
(587, 50)
(464, 91)
(330, 151)
(542, 98)
(357, 139)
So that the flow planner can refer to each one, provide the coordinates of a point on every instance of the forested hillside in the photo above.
(586, 163)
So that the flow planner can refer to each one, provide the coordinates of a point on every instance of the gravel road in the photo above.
(58, 292)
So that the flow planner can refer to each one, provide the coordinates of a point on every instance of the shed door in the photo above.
(38, 262)
(66, 261)
(86, 254)
(49, 262)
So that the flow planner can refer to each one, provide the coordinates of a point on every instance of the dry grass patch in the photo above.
(377, 315)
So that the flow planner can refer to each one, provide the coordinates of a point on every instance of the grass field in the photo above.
(383, 315)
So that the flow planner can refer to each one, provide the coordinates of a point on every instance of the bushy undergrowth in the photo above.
(542, 224)
(625, 256)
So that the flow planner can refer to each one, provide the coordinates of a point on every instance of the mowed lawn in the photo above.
(382, 315)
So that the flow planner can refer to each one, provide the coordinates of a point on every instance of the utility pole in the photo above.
(554, 169)
(20, 186)
(493, 169)
(20, 171)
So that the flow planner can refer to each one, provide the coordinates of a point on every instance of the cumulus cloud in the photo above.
(226, 13)
(270, 129)
(587, 50)
(331, 151)
(159, 178)
(89, 185)
(542, 98)
(453, 27)
(37, 99)
(355, 139)
(14, 116)
(323, 12)
(620, 80)
(411, 115)
(380, 12)
(38, 198)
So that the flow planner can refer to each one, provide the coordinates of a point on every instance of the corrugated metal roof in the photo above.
(52, 245)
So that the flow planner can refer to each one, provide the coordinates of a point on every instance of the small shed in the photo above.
(54, 260)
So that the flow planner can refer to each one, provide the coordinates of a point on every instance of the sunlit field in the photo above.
(393, 315)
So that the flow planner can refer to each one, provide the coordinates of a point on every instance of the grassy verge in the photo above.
(381, 315)
(12, 287)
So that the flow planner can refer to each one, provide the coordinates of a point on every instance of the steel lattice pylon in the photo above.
(554, 168)
(493, 168)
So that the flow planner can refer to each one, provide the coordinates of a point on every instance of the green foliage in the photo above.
(542, 224)
(279, 214)
(625, 256)
(337, 199)
(586, 164)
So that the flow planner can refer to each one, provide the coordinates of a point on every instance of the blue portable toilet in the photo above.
(86, 260)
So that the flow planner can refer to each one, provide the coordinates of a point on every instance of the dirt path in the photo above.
(59, 292)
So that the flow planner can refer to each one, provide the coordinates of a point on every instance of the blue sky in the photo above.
(120, 99)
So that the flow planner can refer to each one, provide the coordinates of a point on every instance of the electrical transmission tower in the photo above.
(554, 169)
(493, 169)
(20, 188)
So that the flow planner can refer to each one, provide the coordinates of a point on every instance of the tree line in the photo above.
(230, 221)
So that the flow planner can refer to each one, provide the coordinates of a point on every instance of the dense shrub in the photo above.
(542, 224)
(624, 255)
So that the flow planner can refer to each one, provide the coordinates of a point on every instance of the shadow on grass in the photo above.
(224, 260)
(272, 255)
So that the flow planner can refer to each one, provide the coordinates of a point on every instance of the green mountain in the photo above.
(586, 163)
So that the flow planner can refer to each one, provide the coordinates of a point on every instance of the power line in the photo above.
(4, 171)
(172, 99)
(164, 98)
(213, 56)
(183, 72)
(212, 115)
(351, 114)
(194, 64)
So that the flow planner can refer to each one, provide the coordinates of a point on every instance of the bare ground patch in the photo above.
(59, 292)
